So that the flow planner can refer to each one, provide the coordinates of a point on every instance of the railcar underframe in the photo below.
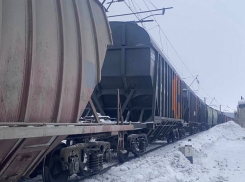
(26, 145)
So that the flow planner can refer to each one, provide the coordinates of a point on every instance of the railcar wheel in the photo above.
(52, 169)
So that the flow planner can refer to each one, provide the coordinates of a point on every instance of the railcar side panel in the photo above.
(51, 54)
(210, 116)
(215, 117)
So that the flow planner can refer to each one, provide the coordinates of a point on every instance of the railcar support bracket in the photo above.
(94, 111)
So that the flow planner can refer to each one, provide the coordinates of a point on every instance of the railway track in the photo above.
(118, 164)
(151, 148)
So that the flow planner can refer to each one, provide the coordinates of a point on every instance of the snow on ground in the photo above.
(219, 156)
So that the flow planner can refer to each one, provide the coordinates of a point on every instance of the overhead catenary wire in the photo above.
(167, 37)
(159, 35)
(134, 2)
(133, 12)
(174, 47)
(160, 29)
(152, 4)
(160, 38)
(135, 9)
(152, 28)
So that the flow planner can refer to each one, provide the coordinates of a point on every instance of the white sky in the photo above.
(208, 35)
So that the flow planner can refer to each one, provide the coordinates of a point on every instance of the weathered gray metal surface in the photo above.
(31, 132)
(215, 117)
(148, 84)
(51, 54)
(23, 155)
(210, 116)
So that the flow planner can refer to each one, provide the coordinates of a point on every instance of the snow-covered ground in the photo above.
(219, 156)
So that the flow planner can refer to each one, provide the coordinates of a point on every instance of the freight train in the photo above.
(150, 88)
(51, 58)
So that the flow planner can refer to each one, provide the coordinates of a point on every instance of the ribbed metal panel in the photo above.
(51, 54)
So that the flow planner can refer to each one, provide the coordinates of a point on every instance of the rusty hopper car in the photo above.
(51, 54)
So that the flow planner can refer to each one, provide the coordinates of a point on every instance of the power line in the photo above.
(204, 91)
(152, 4)
(160, 37)
(167, 38)
(136, 4)
(160, 28)
(129, 3)
(133, 12)
(139, 15)
(152, 28)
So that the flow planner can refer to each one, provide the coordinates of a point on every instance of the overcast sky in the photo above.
(208, 35)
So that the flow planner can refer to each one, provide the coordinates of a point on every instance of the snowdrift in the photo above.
(218, 156)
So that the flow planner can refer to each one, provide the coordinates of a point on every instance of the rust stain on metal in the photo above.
(80, 56)
(28, 61)
(26, 155)
(43, 48)
(61, 62)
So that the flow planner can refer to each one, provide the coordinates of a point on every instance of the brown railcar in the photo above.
(51, 55)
